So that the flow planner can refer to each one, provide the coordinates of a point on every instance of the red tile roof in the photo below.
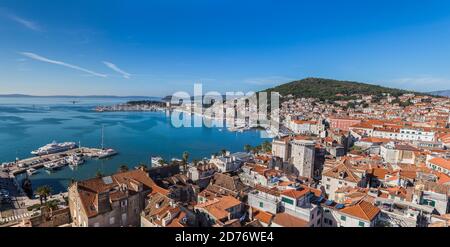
(362, 210)
(440, 162)
(88, 190)
(287, 220)
(264, 216)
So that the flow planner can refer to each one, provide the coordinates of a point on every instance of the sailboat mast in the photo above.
(102, 135)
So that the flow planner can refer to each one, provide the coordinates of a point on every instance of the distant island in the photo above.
(443, 93)
(78, 96)
(135, 105)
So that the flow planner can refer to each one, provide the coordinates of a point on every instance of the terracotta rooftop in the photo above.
(263, 216)
(335, 172)
(218, 207)
(440, 162)
(375, 140)
(287, 220)
(88, 190)
(301, 191)
(362, 210)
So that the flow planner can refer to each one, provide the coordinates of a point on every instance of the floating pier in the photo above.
(21, 166)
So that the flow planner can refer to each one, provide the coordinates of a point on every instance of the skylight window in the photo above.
(107, 180)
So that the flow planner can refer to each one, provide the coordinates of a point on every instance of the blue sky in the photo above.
(158, 47)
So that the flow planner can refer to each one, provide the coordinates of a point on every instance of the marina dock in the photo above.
(21, 166)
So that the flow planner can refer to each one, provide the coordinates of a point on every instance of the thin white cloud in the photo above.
(47, 60)
(20, 20)
(112, 66)
(26, 23)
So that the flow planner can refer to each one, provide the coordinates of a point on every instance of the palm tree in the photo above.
(267, 146)
(185, 160)
(247, 148)
(99, 174)
(123, 168)
(256, 149)
(161, 162)
(43, 192)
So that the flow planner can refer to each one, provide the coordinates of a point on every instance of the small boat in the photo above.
(106, 153)
(155, 161)
(55, 165)
(50, 166)
(75, 160)
(31, 171)
(176, 160)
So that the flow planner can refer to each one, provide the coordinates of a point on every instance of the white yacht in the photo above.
(54, 147)
(55, 165)
(50, 166)
(75, 160)
(105, 153)
(155, 161)
(31, 171)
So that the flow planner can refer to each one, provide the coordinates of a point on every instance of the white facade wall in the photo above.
(264, 201)
(332, 184)
(280, 149)
(406, 135)
(334, 218)
(435, 166)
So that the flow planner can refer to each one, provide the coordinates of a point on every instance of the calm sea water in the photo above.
(29, 123)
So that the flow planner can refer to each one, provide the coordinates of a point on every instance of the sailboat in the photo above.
(105, 153)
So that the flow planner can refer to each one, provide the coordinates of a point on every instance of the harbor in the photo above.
(70, 157)
(135, 135)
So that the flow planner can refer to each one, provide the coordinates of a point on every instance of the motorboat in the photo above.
(75, 160)
(31, 171)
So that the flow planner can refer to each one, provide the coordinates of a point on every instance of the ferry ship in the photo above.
(54, 147)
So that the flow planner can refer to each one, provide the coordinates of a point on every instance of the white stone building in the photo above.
(303, 154)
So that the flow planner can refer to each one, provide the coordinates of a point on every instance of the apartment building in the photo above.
(338, 177)
(111, 201)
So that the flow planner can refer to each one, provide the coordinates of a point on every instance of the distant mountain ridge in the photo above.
(329, 89)
(444, 93)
